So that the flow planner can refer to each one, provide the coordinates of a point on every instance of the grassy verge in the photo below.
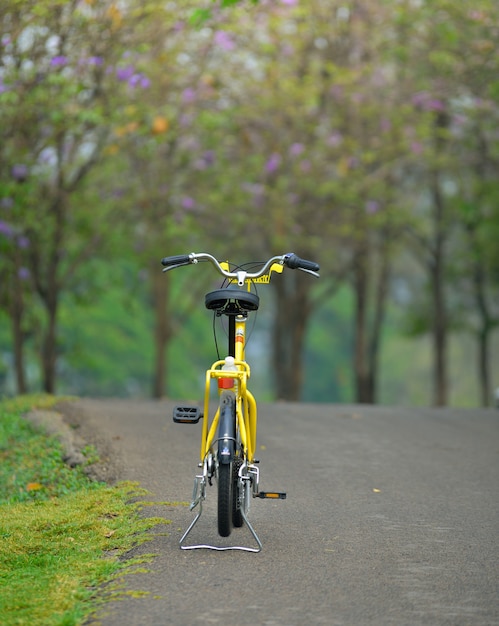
(61, 535)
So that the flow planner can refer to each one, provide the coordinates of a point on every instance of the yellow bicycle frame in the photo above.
(246, 411)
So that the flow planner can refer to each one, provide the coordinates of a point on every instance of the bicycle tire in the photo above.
(227, 427)
(237, 517)
(225, 501)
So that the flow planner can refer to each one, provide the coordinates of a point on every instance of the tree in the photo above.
(60, 66)
(315, 159)
(450, 68)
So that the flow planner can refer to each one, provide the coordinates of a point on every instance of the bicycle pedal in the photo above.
(271, 495)
(187, 414)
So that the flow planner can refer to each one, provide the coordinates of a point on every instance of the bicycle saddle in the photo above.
(231, 301)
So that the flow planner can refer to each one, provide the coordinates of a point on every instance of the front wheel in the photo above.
(225, 502)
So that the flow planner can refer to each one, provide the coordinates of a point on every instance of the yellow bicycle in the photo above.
(228, 440)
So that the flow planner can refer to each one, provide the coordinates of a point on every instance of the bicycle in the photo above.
(228, 441)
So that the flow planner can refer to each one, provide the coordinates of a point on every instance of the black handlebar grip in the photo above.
(178, 259)
(294, 262)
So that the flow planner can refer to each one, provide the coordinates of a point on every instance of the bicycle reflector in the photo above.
(273, 495)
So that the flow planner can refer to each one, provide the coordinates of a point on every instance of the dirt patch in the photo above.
(67, 423)
(53, 424)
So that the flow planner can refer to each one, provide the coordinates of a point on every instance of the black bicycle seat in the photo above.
(231, 301)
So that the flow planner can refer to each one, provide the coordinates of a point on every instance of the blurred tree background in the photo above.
(363, 134)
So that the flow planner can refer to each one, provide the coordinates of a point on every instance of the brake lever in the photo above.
(316, 274)
(173, 267)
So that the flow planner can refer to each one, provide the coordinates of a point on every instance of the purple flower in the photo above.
(385, 125)
(188, 203)
(335, 139)
(59, 61)
(19, 172)
(23, 242)
(435, 105)
(188, 95)
(134, 80)
(273, 163)
(416, 147)
(6, 229)
(420, 98)
(296, 149)
(209, 157)
(95, 60)
(125, 73)
(224, 40)
(372, 206)
(425, 101)
(23, 273)
(290, 3)
(205, 160)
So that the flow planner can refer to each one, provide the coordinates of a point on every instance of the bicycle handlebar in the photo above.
(290, 260)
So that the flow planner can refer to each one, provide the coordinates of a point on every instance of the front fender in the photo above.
(227, 428)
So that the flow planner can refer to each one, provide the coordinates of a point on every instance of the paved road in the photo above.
(392, 518)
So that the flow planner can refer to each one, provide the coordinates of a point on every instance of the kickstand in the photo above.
(198, 497)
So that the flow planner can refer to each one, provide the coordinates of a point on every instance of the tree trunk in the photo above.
(369, 311)
(379, 320)
(360, 281)
(16, 316)
(162, 329)
(486, 323)
(49, 289)
(290, 324)
(483, 365)
(49, 347)
(439, 315)
(479, 281)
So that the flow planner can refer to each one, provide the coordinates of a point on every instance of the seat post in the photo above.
(232, 335)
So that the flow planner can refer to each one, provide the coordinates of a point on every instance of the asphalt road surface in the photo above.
(391, 518)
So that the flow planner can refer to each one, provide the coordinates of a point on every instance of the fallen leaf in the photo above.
(34, 487)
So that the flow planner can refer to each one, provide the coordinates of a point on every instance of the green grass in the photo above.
(61, 535)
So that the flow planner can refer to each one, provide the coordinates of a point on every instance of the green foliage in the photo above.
(57, 531)
(200, 16)
(106, 343)
(59, 546)
(32, 468)
(328, 375)
(319, 128)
